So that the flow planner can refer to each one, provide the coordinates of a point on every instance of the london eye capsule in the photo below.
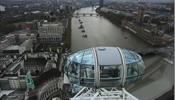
(104, 67)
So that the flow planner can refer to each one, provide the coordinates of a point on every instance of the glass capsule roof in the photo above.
(103, 67)
(83, 57)
(130, 56)
(104, 56)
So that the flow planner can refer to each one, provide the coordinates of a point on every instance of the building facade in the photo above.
(51, 32)
(2, 8)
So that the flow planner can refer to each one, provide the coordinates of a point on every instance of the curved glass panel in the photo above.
(134, 64)
(77, 57)
(132, 73)
(88, 57)
(87, 75)
(67, 62)
(83, 57)
(141, 67)
(132, 70)
(73, 72)
(73, 69)
(130, 56)
(80, 67)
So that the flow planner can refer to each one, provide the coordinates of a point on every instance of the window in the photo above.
(87, 71)
(67, 62)
(110, 75)
(88, 57)
(110, 71)
(130, 57)
(77, 57)
(132, 73)
(87, 75)
(132, 70)
(141, 67)
(73, 69)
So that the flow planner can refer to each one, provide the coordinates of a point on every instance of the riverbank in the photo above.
(125, 21)
(67, 36)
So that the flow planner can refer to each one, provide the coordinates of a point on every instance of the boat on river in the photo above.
(82, 31)
(81, 26)
(84, 35)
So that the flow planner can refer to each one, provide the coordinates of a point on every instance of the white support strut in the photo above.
(103, 94)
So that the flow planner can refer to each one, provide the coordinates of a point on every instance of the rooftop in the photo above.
(14, 95)
(12, 47)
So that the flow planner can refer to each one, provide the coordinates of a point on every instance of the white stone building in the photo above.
(2, 8)
(51, 32)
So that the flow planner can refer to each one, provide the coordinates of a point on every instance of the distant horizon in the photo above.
(151, 1)
(158, 1)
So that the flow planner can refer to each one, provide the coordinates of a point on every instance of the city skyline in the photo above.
(86, 49)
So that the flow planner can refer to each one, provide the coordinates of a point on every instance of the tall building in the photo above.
(140, 16)
(101, 3)
(140, 11)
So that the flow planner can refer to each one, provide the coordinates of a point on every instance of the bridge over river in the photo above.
(85, 14)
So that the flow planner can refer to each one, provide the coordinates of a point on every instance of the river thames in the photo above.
(101, 32)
